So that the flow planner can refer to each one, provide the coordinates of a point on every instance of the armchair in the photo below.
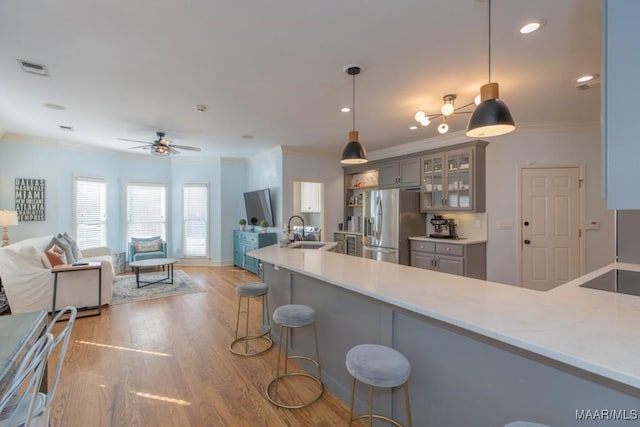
(146, 248)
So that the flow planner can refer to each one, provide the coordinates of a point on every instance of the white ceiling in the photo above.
(274, 69)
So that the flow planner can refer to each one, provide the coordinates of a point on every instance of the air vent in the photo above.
(33, 68)
(67, 128)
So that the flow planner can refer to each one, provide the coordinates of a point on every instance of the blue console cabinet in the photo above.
(246, 241)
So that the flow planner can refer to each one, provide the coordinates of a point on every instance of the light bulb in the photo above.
(443, 128)
(447, 109)
(477, 100)
(420, 115)
(425, 121)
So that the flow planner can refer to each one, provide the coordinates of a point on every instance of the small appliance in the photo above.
(444, 228)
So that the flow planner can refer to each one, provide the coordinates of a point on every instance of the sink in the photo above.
(323, 246)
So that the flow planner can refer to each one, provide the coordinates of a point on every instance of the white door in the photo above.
(550, 226)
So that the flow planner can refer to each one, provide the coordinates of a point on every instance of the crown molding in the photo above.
(458, 137)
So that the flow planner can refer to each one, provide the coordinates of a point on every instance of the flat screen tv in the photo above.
(258, 206)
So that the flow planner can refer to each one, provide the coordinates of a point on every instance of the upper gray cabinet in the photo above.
(621, 88)
(399, 173)
(454, 180)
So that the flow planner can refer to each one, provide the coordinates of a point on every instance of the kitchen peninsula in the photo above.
(482, 353)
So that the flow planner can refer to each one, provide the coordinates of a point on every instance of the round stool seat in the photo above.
(294, 315)
(378, 365)
(252, 289)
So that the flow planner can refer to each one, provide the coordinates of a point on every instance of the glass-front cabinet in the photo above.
(432, 182)
(454, 180)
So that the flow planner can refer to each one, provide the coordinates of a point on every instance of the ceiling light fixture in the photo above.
(345, 109)
(353, 153)
(447, 111)
(584, 79)
(448, 108)
(492, 117)
(160, 150)
(200, 108)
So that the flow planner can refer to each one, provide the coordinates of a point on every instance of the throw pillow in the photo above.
(75, 249)
(154, 246)
(55, 256)
(62, 244)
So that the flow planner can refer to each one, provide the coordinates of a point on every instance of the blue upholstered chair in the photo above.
(146, 248)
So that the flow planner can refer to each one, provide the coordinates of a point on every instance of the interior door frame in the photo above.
(581, 214)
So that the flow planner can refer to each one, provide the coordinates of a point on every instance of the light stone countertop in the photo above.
(590, 329)
(458, 241)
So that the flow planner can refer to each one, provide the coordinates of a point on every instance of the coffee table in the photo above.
(154, 262)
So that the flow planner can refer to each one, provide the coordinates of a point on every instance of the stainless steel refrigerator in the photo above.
(390, 218)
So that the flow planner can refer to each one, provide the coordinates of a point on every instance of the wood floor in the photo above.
(165, 362)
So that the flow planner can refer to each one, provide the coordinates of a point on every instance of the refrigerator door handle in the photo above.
(379, 218)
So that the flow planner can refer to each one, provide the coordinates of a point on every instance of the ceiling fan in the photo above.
(161, 147)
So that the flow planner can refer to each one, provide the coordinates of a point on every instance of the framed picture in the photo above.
(30, 199)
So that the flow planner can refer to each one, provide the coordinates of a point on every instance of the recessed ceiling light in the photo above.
(247, 137)
(54, 106)
(66, 128)
(531, 26)
(345, 109)
(200, 108)
(413, 127)
(586, 78)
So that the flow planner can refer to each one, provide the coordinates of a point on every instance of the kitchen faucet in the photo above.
(289, 226)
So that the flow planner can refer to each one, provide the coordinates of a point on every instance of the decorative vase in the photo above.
(242, 227)
(264, 229)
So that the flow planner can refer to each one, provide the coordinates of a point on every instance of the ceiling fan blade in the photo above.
(186, 147)
(134, 140)
(173, 150)
(140, 146)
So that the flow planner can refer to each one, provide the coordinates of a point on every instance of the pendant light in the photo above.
(353, 153)
(492, 116)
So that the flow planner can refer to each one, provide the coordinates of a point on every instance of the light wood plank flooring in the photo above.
(165, 362)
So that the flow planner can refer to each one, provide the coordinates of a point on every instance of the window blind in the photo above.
(90, 212)
(195, 240)
(146, 210)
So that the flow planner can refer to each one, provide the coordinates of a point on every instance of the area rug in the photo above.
(125, 291)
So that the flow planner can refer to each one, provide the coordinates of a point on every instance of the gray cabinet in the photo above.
(400, 173)
(468, 260)
(348, 243)
(621, 132)
(454, 180)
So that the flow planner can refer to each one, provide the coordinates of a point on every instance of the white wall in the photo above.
(265, 171)
(504, 155)
(298, 167)
(32, 157)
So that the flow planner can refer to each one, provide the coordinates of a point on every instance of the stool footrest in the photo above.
(264, 337)
(275, 382)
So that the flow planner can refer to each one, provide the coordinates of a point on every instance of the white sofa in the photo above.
(28, 284)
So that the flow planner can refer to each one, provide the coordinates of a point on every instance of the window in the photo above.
(90, 212)
(146, 210)
(195, 230)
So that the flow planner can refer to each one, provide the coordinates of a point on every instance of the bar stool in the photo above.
(251, 290)
(289, 317)
(378, 366)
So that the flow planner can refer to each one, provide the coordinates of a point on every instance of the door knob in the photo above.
(526, 223)
(527, 241)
